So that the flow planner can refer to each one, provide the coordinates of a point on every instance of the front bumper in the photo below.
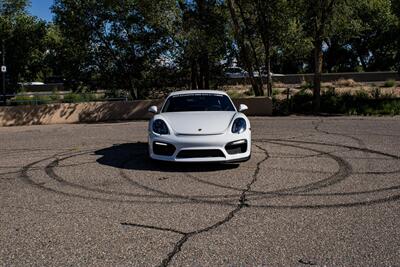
(201, 148)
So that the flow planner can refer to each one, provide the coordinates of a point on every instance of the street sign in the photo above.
(3, 69)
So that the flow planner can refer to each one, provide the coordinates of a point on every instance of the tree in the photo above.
(203, 38)
(322, 19)
(115, 42)
(272, 24)
(265, 26)
(374, 43)
(244, 41)
(396, 12)
(22, 35)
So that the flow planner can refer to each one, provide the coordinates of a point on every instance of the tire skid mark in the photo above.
(242, 203)
(344, 171)
(24, 176)
(242, 198)
(49, 169)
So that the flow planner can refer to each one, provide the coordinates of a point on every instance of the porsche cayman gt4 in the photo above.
(199, 126)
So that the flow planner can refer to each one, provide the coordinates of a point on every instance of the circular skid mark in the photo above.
(109, 196)
(342, 173)
(130, 157)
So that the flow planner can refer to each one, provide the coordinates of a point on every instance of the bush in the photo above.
(275, 92)
(346, 83)
(302, 101)
(28, 100)
(362, 95)
(73, 98)
(22, 100)
(359, 103)
(306, 85)
(376, 93)
(390, 83)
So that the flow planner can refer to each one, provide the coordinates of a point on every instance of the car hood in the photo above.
(199, 123)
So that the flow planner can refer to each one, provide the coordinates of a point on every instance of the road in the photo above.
(317, 191)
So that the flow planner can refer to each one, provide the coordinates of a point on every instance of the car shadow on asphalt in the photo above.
(134, 156)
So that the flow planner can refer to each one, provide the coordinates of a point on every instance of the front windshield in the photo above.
(198, 102)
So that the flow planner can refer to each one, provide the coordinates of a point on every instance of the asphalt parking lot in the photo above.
(317, 191)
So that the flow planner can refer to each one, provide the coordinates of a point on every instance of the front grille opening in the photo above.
(163, 149)
(237, 147)
(205, 153)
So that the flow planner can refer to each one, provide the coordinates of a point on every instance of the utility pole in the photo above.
(3, 72)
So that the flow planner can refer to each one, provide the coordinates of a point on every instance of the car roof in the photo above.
(187, 92)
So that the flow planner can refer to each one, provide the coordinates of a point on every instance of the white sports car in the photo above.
(199, 126)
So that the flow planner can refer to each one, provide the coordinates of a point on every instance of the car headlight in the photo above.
(239, 126)
(160, 127)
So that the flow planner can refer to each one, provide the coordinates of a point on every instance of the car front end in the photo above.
(200, 136)
(225, 147)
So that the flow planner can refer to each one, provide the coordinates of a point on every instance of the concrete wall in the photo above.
(103, 111)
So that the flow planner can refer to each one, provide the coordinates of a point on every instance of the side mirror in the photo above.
(243, 107)
(153, 109)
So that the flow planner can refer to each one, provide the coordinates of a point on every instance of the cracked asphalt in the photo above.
(318, 191)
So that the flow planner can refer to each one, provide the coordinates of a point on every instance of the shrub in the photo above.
(275, 92)
(389, 83)
(234, 94)
(376, 93)
(361, 95)
(346, 83)
(28, 100)
(89, 97)
(22, 100)
(306, 85)
(73, 98)
(302, 101)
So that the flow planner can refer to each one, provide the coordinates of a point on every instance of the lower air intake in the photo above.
(206, 153)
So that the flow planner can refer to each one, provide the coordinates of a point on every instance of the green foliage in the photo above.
(376, 93)
(114, 42)
(147, 47)
(390, 83)
(360, 103)
(306, 85)
(23, 36)
(77, 98)
(31, 100)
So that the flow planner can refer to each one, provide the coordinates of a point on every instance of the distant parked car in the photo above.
(31, 83)
(235, 72)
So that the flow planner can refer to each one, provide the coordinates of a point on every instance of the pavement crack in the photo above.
(153, 228)
(307, 262)
(243, 203)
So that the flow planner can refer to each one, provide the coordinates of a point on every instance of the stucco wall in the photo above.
(103, 111)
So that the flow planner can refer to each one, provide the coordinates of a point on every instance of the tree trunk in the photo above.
(134, 90)
(204, 78)
(257, 80)
(268, 67)
(193, 76)
(318, 59)
(206, 71)
(243, 49)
